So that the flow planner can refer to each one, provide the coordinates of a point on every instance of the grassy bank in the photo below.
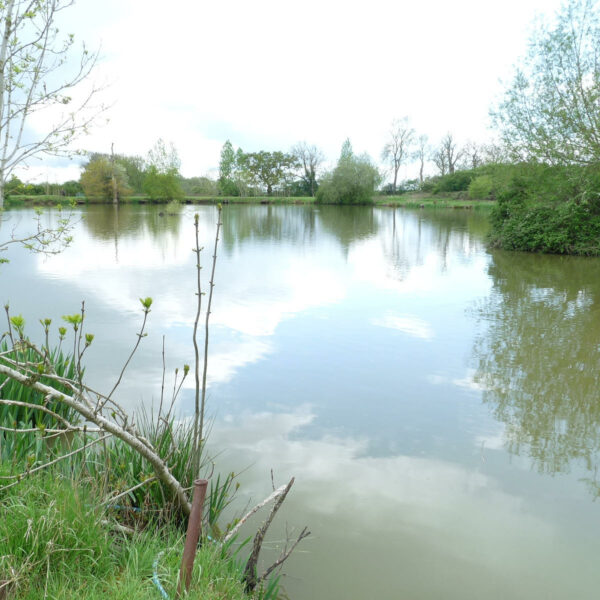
(50, 200)
(88, 520)
(56, 541)
(419, 200)
(409, 200)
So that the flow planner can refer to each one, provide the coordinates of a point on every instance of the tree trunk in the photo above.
(1, 191)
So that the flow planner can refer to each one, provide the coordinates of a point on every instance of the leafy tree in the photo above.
(135, 168)
(396, 150)
(309, 159)
(227, 167)
(353, 181)
(268, 169)
(347, 153)
(97, 179)
(551, 111)
(14, 186)
(71, 188)
(199, 186)
(162, 181)
(38, 70)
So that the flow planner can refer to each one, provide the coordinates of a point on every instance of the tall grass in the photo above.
(55, 543)
(63, 366)
(173, 441)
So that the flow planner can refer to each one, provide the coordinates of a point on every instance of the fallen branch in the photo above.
(266, 501)
(284, 555)
(250, 574)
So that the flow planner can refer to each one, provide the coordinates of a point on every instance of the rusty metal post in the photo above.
(194, 530)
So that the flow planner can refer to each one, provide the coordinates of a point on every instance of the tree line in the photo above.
(548, 156)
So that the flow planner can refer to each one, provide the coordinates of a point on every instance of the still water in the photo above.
(437, 403)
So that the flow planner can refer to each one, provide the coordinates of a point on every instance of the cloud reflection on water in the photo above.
(424, 511)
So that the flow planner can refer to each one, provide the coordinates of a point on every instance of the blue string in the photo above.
(155, 579)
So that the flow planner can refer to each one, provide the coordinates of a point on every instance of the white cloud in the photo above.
(267, 74)
(409, 324)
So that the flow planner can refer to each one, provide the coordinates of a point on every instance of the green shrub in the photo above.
(481, 187)
(547, 209)
(353, 181)
(454, 182)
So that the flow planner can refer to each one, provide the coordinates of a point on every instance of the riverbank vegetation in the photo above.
(128, 476)
(541, 171)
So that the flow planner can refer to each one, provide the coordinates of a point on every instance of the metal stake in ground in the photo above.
(194, 530)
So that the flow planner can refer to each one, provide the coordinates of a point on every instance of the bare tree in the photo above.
(310, 159)
(473, 154)
(440, 160)
(421, 154)
(396, 150)
(38, 71)
(494, 153)
(451, 152)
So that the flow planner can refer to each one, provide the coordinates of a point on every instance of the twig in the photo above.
(120, 528)
(140, 335)
(250, 576)
(284, 555)
(266, 501)
(131, 489)
(206, 329)
(197, 250)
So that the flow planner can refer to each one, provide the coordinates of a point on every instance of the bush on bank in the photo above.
(550, 209)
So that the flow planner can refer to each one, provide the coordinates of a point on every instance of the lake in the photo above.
(437, 402)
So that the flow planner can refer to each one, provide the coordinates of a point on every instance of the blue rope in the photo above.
(155, 579)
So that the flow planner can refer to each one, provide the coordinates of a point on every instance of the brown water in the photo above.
(438, 404)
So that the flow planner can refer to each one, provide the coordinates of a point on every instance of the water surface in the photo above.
(437, 403)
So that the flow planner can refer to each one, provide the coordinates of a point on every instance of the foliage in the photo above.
(458, 181)
(309, 160)
(268, 169)
(353, 181)
(227, 167)
(72, 188)
(14, 186)
(11, 390)
(126, 469)
(547, 209)
(38, 71)
(199, 186)
(97, 179)
(551, 112)
(162, 180)
(56, 542)
(162, 186)
(481, 187)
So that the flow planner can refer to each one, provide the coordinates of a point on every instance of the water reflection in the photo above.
(538, 361)
(111, 222)
(348, 224)
(273, 223)
(431, 515)
(358, 317)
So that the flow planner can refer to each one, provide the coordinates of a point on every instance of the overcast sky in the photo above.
(269, 73)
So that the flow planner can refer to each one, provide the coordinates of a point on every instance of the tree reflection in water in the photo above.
(539, 358)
